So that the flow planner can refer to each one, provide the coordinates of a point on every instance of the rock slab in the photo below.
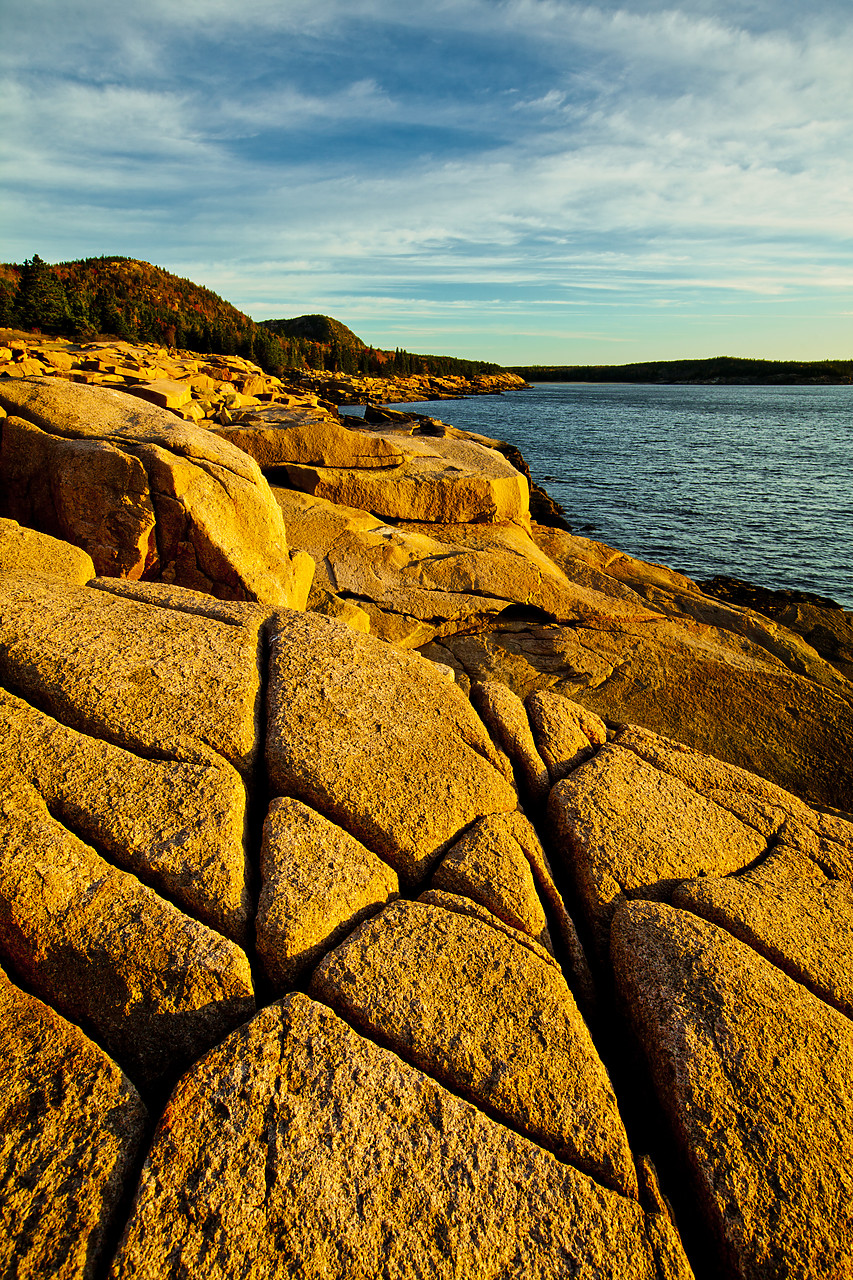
(70, 1128)
(318, 884)
(297, 1148)
(755, 1074)
(377, 741)
(489, 1018)
(155, 987)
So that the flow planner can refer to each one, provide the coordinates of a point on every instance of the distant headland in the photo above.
(721, 370)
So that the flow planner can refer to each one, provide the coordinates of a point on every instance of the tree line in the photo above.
(131, 300)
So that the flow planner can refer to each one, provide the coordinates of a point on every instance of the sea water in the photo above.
(755, 482)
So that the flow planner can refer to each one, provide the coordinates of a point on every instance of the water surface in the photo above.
(754, 482)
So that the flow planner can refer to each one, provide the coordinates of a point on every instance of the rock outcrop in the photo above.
(378, 741)
(143, 494)
(594, 920)
(300, 1147)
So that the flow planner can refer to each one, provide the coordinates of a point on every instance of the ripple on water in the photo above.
(752, 482)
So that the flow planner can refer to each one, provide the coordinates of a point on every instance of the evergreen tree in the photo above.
(40, 301)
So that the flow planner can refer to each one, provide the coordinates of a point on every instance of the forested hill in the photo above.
(719, 369)
(125, 298)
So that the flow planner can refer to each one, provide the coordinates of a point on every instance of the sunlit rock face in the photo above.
(317, 966)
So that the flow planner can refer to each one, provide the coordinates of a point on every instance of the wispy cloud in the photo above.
(306, 155)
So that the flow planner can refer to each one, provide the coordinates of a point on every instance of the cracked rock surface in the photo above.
(552, 981)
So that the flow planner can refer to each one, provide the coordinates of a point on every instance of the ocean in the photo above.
(755, 482)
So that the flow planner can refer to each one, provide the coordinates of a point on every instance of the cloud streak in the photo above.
(302, 156)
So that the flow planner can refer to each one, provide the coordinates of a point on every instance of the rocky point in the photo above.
(392, 884)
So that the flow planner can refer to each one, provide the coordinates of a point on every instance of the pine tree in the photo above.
(40, 301)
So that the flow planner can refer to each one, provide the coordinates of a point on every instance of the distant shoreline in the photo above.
(717, 371)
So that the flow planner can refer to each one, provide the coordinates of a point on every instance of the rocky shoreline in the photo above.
(392, 883)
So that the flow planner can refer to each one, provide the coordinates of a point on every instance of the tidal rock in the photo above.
(318, 884)
(377, 741)
(490, 865)
(489, 1019)
(144, 493)
(565, 733)
(70, 1128)
(155, 987)
(23, 551)
(504, 715)
(822, 623)
(442, 480)
(299, 1148)
(178, 826)
(153, 680)
(678, 597)
(790, 912)
(626, 830)
(754, 1073)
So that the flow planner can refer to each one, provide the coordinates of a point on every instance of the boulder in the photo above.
(626, 830)
(790, 912)
(754, 1074)
(23, 551)
(70, 1128)
(155, 987)
(318, 884)
(143, 492)
(489, 865)
(308, 436)
(89, 492)
(437, 480)
(490, 1019)
(377, 741)
(165, 392)
(504, 715)
(155, 681)
(299, 1148)
(565, 733)
(179, 827)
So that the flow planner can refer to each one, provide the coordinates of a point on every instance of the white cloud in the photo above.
(705, 145)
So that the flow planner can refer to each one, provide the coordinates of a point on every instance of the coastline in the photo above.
(354, 820)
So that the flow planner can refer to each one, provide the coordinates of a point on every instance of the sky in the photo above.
(525, 181)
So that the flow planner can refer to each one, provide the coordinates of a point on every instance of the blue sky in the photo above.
(515, 180)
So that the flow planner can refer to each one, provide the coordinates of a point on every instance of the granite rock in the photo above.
(626, 830)
(490, 865)
(179, 827)
(155, 987)
(153, 680)
(318, 884)
(378, 742)
(754, 1073)
(490, 1019)
(70, 1128)
(299, 1148)
(23, 551)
